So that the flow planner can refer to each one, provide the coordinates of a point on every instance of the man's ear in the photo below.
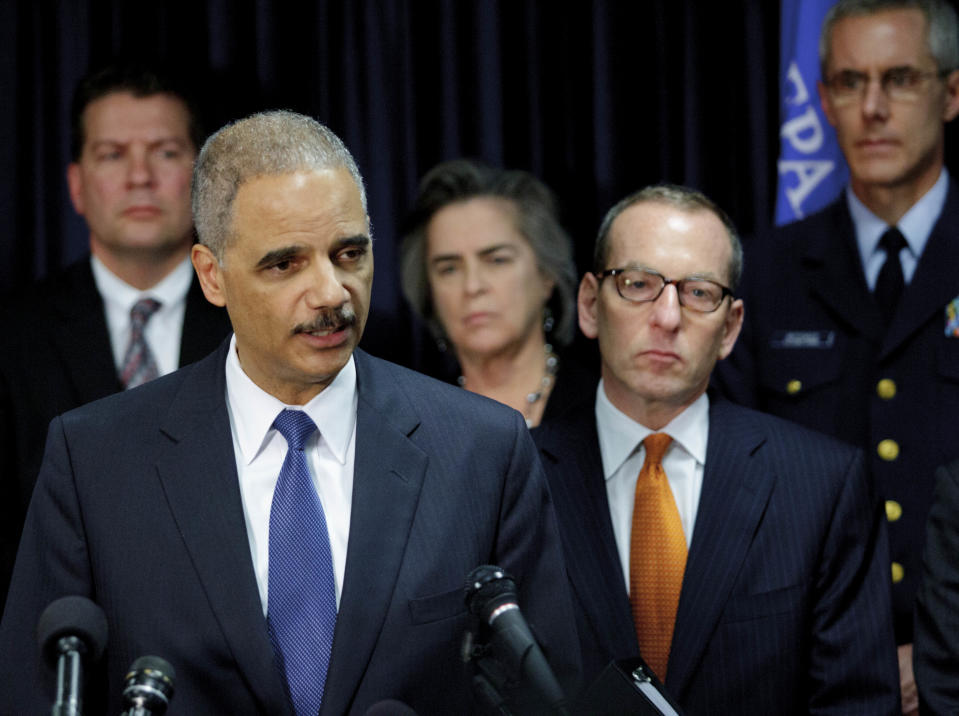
(75, 186)
(209, 273)
(586, 303)
(826, 103)
(733, 325)
(951, 108)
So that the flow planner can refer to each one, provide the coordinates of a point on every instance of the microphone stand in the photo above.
(488, 675)
(69, 677)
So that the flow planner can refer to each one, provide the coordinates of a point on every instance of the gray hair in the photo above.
(263, 144)
(679, 197)
(534, 214)
(942, 35)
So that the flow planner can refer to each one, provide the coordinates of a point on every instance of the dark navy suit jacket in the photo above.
(57, 356)
(785, 599)
(936, 649)
(138, 507)
(813, 350)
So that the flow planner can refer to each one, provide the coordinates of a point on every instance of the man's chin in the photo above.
(880, 173)
(138, 241)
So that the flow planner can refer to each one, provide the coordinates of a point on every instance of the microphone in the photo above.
(148, 687)
(491, 595)
(71, 630)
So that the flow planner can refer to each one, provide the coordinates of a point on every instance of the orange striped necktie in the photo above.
(657, 557)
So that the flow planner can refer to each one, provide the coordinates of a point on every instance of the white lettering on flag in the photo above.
(809, 173)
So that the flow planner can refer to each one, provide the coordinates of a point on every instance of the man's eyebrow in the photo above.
(107, 141)
(96, 143)
(359, 241)
(181, 141)
(694, 276)
(275, 256)
(703, 276)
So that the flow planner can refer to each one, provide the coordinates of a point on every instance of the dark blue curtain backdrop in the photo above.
(596, 98)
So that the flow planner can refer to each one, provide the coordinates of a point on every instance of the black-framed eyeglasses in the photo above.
(901, 84)
(641, 285)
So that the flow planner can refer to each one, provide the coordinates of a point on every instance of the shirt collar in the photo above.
(620, 435)
(171, 289)
(915, 225)
(253, 409)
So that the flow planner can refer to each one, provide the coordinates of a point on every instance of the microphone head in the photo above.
(149, 685)
(487, 587)
(72, 616)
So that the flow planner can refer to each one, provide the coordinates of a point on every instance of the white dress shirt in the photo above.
(260, 450)
(620, 445)
(164, 330)
(915, 226)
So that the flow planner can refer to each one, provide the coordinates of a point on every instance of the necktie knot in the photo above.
(296, 426)
(656, 445)
(142, 310)
(892, 242)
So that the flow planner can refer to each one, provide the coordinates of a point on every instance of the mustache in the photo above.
(329, 319)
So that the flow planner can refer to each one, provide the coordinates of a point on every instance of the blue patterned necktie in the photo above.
(301, 598)
(139, 365)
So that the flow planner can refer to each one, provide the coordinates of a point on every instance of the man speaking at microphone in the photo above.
(288, 522)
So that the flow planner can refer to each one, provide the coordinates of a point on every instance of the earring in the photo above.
(439, 335)
(548, 321)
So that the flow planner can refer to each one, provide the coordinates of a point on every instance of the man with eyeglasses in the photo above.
(854, 327)
(742, 556)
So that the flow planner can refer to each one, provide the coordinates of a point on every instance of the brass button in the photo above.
(888, 450)
(793, 386)
(893, 510)
(897, 572)
(886, 388)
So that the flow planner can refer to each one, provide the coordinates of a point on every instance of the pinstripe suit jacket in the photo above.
(936, 654)
(138, 506)
(785, 602)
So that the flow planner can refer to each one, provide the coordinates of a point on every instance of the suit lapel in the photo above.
(934, 283)
(199, 479)
(736, 490)
(833, 271)
(387, 476)
(569, 447)
(80, 338)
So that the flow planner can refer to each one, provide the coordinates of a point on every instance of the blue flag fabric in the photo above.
(812, 170)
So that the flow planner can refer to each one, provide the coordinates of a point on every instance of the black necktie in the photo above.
(890, 283)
